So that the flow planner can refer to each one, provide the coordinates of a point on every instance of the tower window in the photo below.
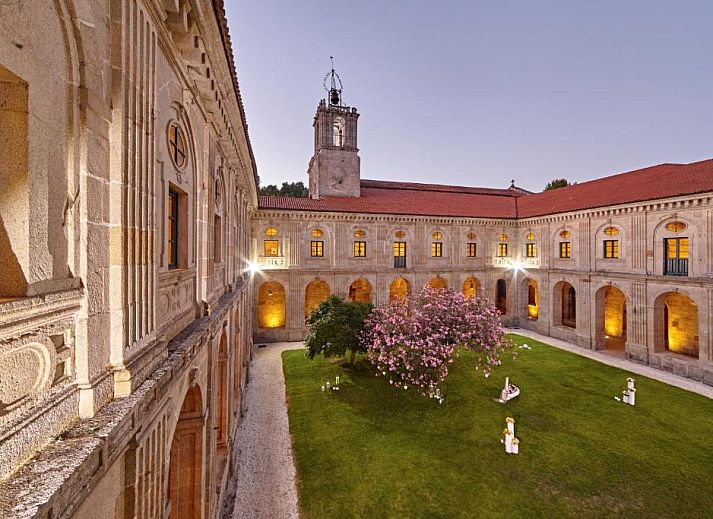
(470, 250)
(359, 249)
(317, 248)
(338, 132)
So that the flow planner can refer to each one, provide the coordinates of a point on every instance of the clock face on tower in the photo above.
(338, 183)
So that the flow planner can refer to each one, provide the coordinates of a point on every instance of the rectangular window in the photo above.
(316, 249)
(531, 250)
(502, 250)
(470, 250)
(436, 249)
(565, 249)
(172, 229)
(676, 260)
(611, 248)
(272, 247)
(360, 249)
(399, 254)
(217, 240)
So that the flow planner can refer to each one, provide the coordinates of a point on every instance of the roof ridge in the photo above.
(448, 188)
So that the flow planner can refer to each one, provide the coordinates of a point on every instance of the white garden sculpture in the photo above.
(509, 392)
(512, 444)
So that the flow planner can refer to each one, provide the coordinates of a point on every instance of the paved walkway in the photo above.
(266, 471)
(619, 361)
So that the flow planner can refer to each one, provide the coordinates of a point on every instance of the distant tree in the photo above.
(557, 183)
(335, 326)
(297, 189)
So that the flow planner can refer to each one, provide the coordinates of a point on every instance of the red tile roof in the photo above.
(656, 182)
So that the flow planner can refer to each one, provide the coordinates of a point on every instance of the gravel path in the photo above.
(621, 362)
(266, 471)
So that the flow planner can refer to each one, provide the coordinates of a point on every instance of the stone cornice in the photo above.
(666, 204)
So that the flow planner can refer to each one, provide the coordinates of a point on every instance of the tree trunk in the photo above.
(353, 357)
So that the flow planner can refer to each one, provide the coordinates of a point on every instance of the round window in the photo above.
(437, 235)
(565, 234)
(503, 237)
(177, 145)
(317, 233)
(676, 226)
(271, 231)
(400, 234)
(611, 231)
(530, 236)
(359, 234)
(471, 236)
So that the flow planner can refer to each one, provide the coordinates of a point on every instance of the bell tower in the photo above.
(334, 169)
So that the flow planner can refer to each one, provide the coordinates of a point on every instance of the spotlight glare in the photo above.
(517, 265)
(253, 267)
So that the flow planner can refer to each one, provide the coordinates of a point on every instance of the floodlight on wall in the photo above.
(253, 268)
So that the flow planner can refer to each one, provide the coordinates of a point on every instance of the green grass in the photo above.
(371, 450)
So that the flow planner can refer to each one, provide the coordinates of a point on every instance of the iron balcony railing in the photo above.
(676, 267)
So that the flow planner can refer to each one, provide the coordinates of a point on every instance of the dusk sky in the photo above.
(479, 92)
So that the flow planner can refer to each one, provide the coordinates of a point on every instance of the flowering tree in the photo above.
(412, 341)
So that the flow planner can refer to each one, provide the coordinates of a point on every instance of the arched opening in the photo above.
(222, 394)
(470, 287)
(271, 305)
(564, 304)
(532, 303)
(237, 352)
(611, 318)
(222, 415)
(399, 289)
(15, 192)
(438, 282)
(501, 296)
(185, 466)
(676, 322)
(316, 292)
(360, 291)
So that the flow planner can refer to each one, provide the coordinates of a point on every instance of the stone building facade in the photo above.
(622, 263)
(128, 182)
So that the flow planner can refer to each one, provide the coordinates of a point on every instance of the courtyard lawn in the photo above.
(370, 450)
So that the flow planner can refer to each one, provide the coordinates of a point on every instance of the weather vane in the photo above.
(335, 86)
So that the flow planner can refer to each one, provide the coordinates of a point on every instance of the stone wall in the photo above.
(637, 274)
(102, 334)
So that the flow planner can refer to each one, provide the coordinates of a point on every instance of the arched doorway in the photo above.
(501, 296)
(271, 305)
(316, 292)
(611, 318)
(360, 291)
(186, 463)
(470, 287)
(532, 302)
(676, 322)
(564, 305)
(399, 289)
(438, 282)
